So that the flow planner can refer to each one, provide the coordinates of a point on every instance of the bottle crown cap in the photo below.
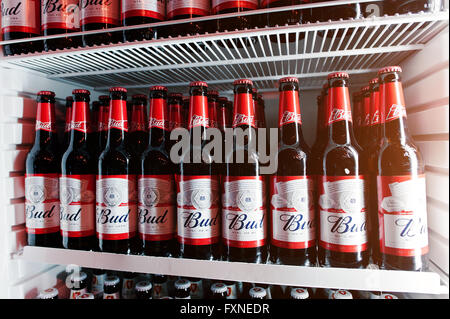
(342, 75)
(176, 95)
(139, 96)
(86, 295)
(373, 81)
(213, 93)
(46, 93)
(103, 97)
(218, 287)
(299, 293)
(111, 280)
(288, 79)
(389, 69)
(158, 88)
(182, 284)
(69, 98)
(388, 296)
(81, 91)
(198, 83)
(48, 293)
(118, 89)
(243, 81)
(342, 294)
(257, 292)
(143, 286)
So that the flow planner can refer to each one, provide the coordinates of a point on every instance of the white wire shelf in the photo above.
(353, 279)
(358, 46)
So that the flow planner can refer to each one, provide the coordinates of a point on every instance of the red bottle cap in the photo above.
(243, 81)
(342, 75)
(139, 96)
(365, 89)
(69, 98)
(176, 95)
(81, 91)
(103, 97)
(373, 81)
(390, 69)
(288, 79)
(118, 89)
(213, 92)
(47, 93)
(158, 88)
(223, 99)
(198, 83)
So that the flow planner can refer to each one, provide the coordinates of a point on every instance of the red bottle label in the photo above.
(155, 9)
(198, 209)
(42, 203)
(100, 11)
(219, 5)
(338, 105)
(157, 210)
(45, 119)
(187, 7)
(158, 114)
(293, 224)
(77, 196)
(198, 112)
(392, 101)
(289, 107)
(60, 14)
(403, 215)
(21, 16)
(343, 214)
(244, 111)
(118, 115)
(244, 212)
(80, 117)
(116, 207)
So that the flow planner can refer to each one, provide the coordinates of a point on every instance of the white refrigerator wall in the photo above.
(425, 79)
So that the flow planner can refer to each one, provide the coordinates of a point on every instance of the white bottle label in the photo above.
(160, 290)
(144, 8)
(115, 295)
(60, 14)
(107, 11)
(403, 215)
(187, 7)
(343, 225)
(42, 203)
(157, 208)
(232, 291)
(77, 196)
(293, 224)
(198, 217)
(116, 212)
(21, 16)
(244, 212)
(128, 291)
(97, 284)
(197, 289)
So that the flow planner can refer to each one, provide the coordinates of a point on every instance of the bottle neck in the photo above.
(290, 120)
(45, 124)
(158, 122)
(79, 124)
(198, 111)
(117, 123)
(393, 112)
(138, 118)
(339, 115)
(244, 112)
(176, 115)
(321, 127)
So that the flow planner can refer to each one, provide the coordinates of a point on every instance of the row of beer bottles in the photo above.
(31, 18)
(344, 199)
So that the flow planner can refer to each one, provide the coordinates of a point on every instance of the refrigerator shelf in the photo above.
(354, 279)
(358, 46)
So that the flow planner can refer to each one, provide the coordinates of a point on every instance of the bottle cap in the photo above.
(78, 276)
(111, 281)
(389, 69)
(143, 286)
(69, 98)
(213, 93)
(166, 297)
(288, 79)
(388, 296)
(103, 97)
(222, 99)
(341, 75)
(373, 81)
(46, 93)
(118, 89)
(255, 91)
(299, 293)
(257, 292)
(158, 88)
(179, 95)
(139, 96)
(243, 81)
(342, 294)
(365, 89)
(48, 293)
(86, 295)
(81, 91)
(198, 83)
(218, 287)
(182, 284)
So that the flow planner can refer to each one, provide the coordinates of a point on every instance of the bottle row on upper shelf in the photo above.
(28, 19)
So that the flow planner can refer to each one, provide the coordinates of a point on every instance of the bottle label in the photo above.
(21, 16)
(244, 111)
(375, 108)
(114, 295)
(339, 101)
(212, 111)
(80, 123)
(232, 291)
(187, 7)
(197, 289)
(289, 108)
(198, 210)
(343, 225)
(198, 112)
(293, 224)
(106, 11)
(60, 14)
(116, 207)
(244, 212)
(392, 101)
(77, 196)
(155, 9)
(219, 5)
(97, 284)
(75, 293)
(118, 115)
(128, 291)
(375, 118)
(42, 203)
(157, 208)
(159, 290)
(45, 117)
(158, 114)
(403, 215)
(176, 119)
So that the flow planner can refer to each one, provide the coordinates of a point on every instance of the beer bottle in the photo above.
(103, 115)
(138, 125)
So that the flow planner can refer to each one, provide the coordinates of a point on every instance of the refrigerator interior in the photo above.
(418, 42)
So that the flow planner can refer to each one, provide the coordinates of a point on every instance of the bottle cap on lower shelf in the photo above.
(143, 286)
(86, 295)
(218, 287)
(111, 281)
(299, 293)
(342, 294)
(257, 292)
(243, 81)
(182, 284)
(388, 296)
(48, 293)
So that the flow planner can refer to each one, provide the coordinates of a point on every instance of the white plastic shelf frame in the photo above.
(342, 278)
(358, 46)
